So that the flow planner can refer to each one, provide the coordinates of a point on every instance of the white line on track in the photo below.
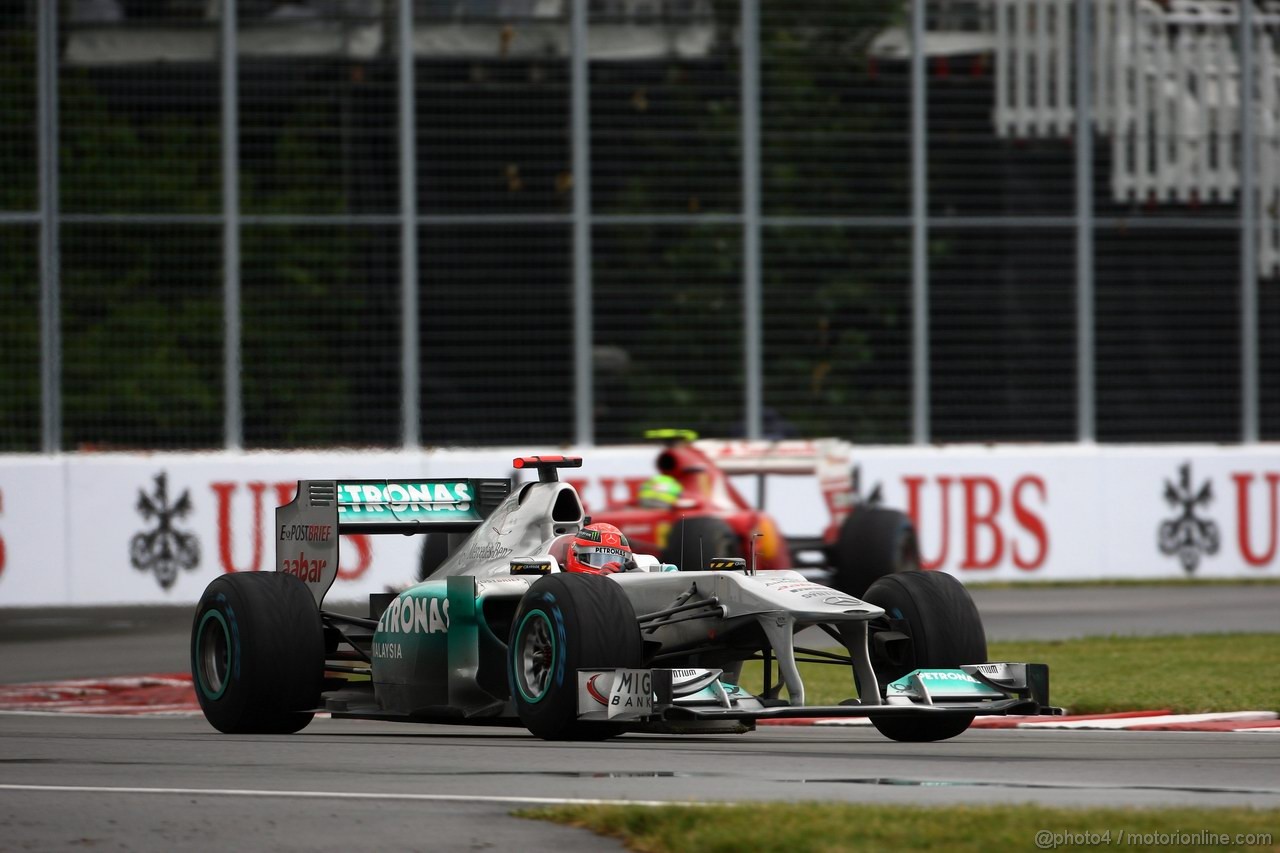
(1162, 719)
(345, 795)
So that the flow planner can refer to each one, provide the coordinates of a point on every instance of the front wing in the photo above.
(661, 696)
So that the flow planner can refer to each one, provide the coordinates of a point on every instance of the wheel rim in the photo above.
(213, 654)
(535, 656)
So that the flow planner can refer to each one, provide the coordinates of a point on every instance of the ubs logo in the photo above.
(1186, 535)
(164, 549)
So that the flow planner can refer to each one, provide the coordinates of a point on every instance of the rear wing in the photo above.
(307, 528)
(831, 459)
(789, 456)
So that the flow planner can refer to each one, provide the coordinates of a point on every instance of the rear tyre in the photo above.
(935, 610)
(434, 550)
(873, 542)
(694, 541)
(257, 653)
(568, 622)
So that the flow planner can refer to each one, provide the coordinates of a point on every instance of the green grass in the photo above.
(825, 828)
(1187, 673)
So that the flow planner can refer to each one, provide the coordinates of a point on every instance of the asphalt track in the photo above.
(156, 783)
(76, 642)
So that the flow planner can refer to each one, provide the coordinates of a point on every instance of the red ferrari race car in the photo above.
(691, 511)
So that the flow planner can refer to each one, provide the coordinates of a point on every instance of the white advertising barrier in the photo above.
(33, 534)
(1047, 513)
(157, 528)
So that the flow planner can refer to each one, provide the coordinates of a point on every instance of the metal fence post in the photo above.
(751, 284)
(1248, 234)
(1086, 417)
(50, 268)
(233, 410)
(583, 378)
(409, 342)
(919, 232)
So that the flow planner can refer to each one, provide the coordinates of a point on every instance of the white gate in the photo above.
(1166, 87)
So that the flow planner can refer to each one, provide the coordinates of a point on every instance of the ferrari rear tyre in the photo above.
(567, 622)
(873, 542)
(257, 653)
(435, 548)
(935, 610)
(694, 541)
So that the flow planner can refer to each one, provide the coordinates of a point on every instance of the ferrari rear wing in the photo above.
(307, 528)
(831, 459)
(788, 456)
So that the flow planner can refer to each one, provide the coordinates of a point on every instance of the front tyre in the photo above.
(937, 613)
(257, 653)
(568, 622)
(928, 730)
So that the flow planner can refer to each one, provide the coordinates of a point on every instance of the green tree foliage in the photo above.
(141, 302)
(19, 266)
(304, 304)
(837, 316)
(836, 307)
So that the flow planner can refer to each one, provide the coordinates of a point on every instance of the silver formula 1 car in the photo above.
(498, 634)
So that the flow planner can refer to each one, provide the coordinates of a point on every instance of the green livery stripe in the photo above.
(517, 663)
(407, 502)
(943, 682)
(201, 653)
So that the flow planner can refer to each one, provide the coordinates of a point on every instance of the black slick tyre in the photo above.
(938, 614)
(567, 622)
(435, 549)
(873, 542)
(695, 540)
(257, 653)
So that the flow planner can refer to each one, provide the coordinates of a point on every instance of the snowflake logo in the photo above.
(1186, 535)
(164, 549)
